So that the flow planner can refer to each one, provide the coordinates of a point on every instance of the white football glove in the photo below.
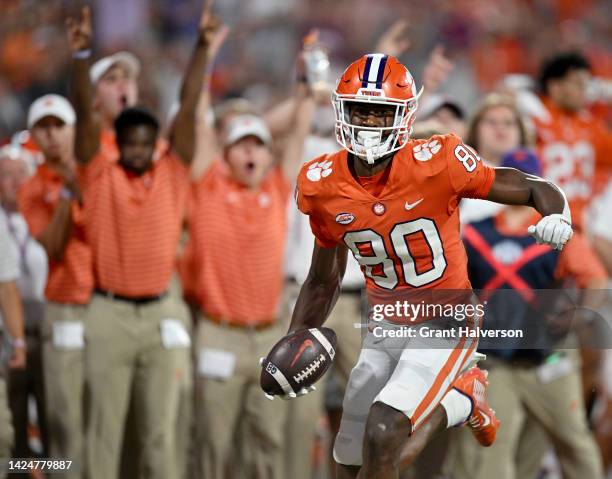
(554, 230)
(287, 397)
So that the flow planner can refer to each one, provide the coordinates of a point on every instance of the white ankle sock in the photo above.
(457, 406)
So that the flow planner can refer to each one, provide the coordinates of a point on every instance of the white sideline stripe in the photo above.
(319, 336)
(282, 380)
(444, 386)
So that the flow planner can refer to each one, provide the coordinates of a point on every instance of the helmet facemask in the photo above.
(373, 143)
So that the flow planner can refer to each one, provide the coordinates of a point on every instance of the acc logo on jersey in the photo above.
(345, 218)
(319, 170)
(426, 151)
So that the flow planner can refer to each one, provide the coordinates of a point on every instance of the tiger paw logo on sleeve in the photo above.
(319, 170)
(426, 151)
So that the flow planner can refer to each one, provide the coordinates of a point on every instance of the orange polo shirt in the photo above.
(71, 279)
(236, 246)
(134, 223)
(108, 145)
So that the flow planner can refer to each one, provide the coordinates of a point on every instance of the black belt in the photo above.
(131, 299)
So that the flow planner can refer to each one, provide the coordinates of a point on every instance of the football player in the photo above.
(393, 203)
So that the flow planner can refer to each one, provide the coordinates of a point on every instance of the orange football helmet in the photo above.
(380, 79)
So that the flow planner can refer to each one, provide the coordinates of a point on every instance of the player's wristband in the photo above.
(82, 54)
(18, 343)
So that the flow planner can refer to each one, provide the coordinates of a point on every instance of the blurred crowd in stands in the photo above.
(485, 40)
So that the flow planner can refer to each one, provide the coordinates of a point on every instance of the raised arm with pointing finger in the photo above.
(183, 131)
(88, 125)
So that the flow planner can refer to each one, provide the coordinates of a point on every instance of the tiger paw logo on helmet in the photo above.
(426, 151)
(319, 170)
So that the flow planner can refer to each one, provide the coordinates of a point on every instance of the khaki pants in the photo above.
(302, 413)
(6, 425)
(229, 399)
(125, 356)
(64, 379)
(520, 398)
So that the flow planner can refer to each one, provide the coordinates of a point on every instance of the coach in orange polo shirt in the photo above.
(236, 249)
(134, 209)
(49, 201)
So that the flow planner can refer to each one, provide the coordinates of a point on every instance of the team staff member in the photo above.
(115, 82)
(115, 87)
(15, 168)
(135, 208)
(236, 248)
(49, 201)
(10, 307)
(529, 382)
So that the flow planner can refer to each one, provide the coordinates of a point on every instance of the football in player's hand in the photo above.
(298, 361)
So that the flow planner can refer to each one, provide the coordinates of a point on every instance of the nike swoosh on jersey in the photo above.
(409, 206)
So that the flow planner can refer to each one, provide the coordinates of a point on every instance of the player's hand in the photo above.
(394, 41)
(79, 31)
(287, 397)
(437, 70)
(553, 230)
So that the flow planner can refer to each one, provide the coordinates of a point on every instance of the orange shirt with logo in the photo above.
(573, 147)
(407, 236)
(71, 279)
(134, 223)
(234, 258)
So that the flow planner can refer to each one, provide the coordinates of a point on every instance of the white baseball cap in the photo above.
(104, 64)
(247, 125)
(51, 105)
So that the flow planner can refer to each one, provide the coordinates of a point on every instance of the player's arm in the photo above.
(88, 124)
(183, 130)
(321, 288)
(513, 187)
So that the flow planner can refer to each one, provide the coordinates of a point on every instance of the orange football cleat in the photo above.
(483, 422)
